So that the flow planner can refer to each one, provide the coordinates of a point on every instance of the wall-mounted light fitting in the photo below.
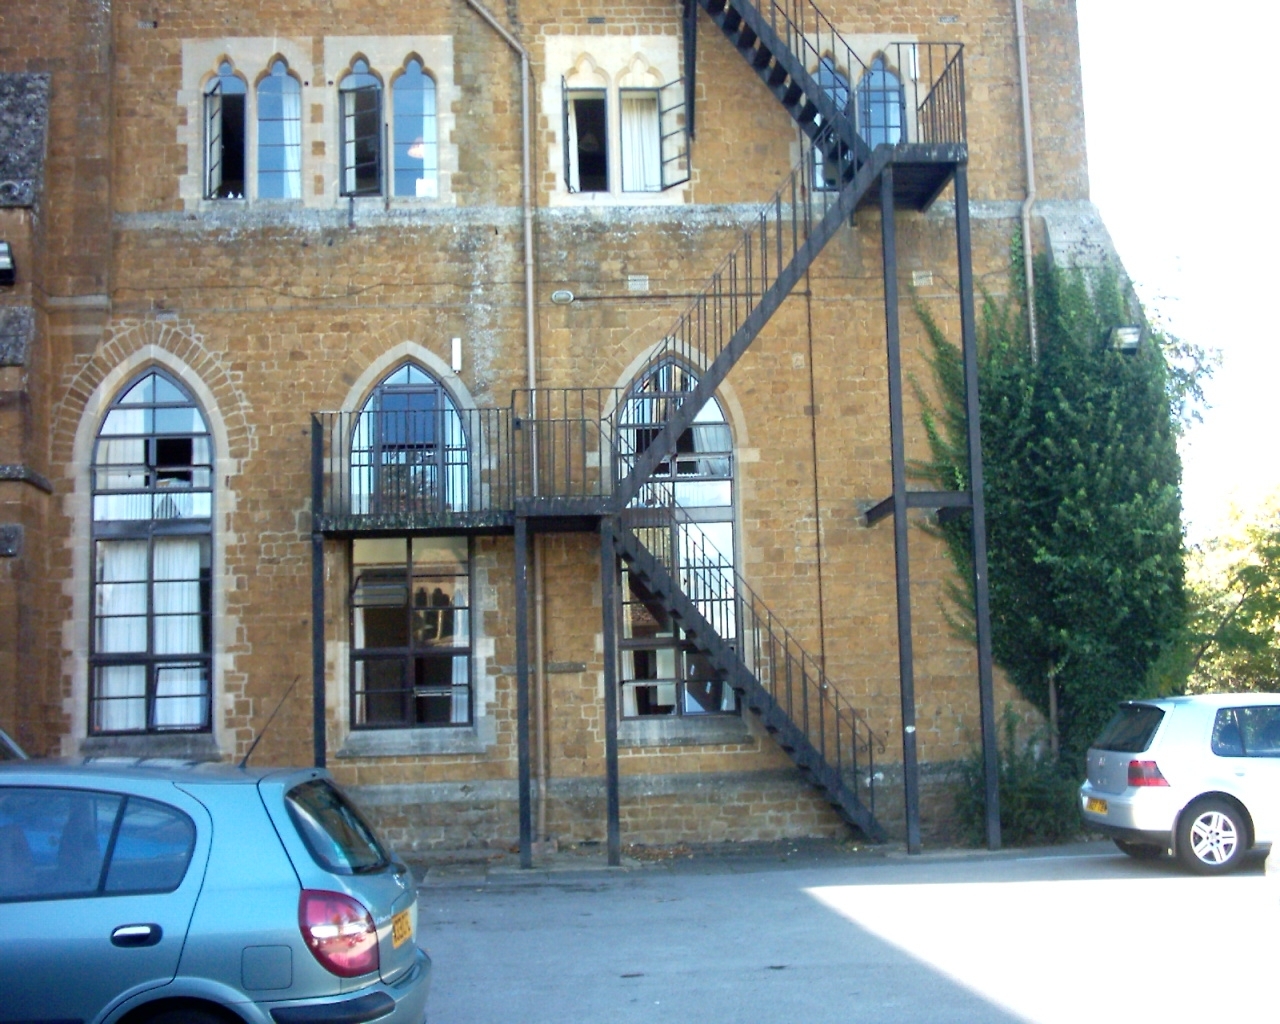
(562, 296)
(7, 272)
(1126, 339)
(455, 354)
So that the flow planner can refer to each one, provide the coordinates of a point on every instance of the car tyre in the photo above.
(1139, 851)
(1212, 836)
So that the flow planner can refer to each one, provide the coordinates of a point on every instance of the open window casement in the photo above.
(586, 139)
(361, 113)
(224, 106)
(213, 141)
(673, 134)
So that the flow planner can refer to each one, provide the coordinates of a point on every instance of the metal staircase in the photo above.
(827, 738)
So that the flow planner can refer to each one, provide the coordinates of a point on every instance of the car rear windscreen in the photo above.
(1131, 730)
(335, 833)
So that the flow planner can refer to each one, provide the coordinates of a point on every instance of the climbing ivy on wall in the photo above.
(1082, 494)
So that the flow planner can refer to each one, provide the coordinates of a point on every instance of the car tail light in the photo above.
(1146, 773)
(339, 932)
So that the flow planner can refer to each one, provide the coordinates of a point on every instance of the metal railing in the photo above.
(791, 676)
(410, 468)
(930, 75)
(562, 442)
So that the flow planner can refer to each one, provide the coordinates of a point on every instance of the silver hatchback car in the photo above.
(169, 893)
(1197, 776)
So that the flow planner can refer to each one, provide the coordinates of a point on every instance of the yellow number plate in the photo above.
(1095, 805)
(401, 929)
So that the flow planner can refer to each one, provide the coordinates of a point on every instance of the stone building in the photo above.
(501, 394)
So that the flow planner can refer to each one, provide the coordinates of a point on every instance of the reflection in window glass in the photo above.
(279, 135)
(152, 848)
(414, 131)
(53, 841)
(334, 831)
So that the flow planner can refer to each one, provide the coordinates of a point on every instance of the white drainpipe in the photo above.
(1024, 85)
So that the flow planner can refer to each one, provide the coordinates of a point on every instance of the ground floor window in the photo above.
(411, 632)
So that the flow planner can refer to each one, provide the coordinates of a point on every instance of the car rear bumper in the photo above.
(405, 1002)
(1145, 810)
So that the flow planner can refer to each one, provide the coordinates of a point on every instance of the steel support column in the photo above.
(981, 597)
(902, 561)
(609, 621)
(522, 691)
(317, 598)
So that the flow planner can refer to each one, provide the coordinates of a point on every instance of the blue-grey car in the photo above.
(170, 893)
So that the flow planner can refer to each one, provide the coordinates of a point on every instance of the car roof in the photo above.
(1216, 700)
(155, 769)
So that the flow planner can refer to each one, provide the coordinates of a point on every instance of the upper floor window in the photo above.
(151, 637)
(279, 99)
(360, 132)
(647, 151)
(409, 453)
(881, 106)
(224, 135)
(413, 99)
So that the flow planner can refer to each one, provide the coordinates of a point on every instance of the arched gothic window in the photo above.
(881, 106)
(661, 672)
(409, 450)
(151, 636)
(413, 98)
(279, 135)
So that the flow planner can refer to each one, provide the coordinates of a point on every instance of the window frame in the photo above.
(156, 491)
(260, 147)
(418, 645)
(397, 145)
(670, 138)
(349, 157)
(873, 103)
(217, 144)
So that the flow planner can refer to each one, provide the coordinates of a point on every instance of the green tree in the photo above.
(1232, 639)
(1084, 529)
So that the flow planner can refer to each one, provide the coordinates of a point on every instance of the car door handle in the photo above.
(129, 935)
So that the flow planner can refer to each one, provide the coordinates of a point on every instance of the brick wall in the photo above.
(277, 311)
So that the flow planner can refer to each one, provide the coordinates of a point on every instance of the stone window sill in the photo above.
(683, 731)
(181, 746)
(462, 739)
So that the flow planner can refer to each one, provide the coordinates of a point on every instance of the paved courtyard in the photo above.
(806, 934)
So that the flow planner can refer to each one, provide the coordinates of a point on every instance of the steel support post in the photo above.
(981, 594)
(317, 598)
(609, 612)
(902, 560)
(522, 691)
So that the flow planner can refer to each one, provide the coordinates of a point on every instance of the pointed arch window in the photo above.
(881, 106)
(224, 134)
(152, 500)
(413, 99)
(279, 135)
(661, 672)
(409, 453)
(360, 132)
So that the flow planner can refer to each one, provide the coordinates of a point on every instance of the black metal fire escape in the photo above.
(553, 461)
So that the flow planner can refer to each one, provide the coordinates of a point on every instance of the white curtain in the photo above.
(575, 181)
(180, 689)
(121, 464)
(641, 142)
(291, 100)
(122, 629)
(460, 677)
(347, 103)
